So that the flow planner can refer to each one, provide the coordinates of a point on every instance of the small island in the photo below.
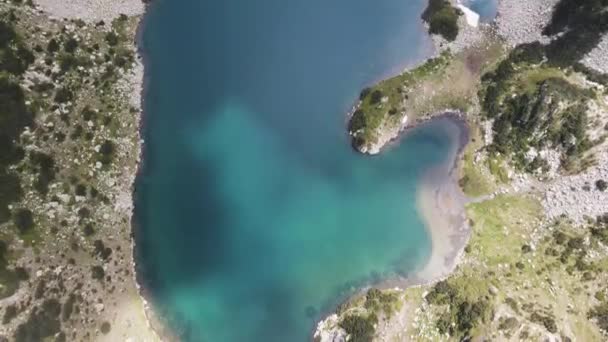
(533, 91)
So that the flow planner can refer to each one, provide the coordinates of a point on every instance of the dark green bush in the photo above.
(15, 57)
(105, 328)
(442, 18)
(70, 45)
(101, 250)
(10, 191)
(358, 121)
(9, 314)
(360, 329)
(600, 313)
(42, 323)
(97, 273)
(52, 46)
(63, 95)
(106, 152)
(45, 165)
(546, 320)
(23, 220)
(112, 38)
(601, 185)
(68, 307)
(88, 230)
(375, 97)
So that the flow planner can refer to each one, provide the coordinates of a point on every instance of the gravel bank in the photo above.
(91, 10)
(522, 21)
(598, 58)
(577, 196)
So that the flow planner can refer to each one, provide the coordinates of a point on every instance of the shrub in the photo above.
(70, 45)
(601, 185)
(15, 56)
(105, 328)
(101, 250)
(67, 63)
(9, 314)
(107, 151)
(600, 313)
(442, 293)
(63, 95)
(97, 273)
(360, 329)
(68, 307)
(375, 97)
(357, 121)
(547, 321)
(7, 34)
(442, 18)
(42, 323)
(52, 46)
(112, 38)
(46, 171)
(23, 220)
(80, 190)
(88, 230)
(10, 191)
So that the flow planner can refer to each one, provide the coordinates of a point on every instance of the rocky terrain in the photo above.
(72, 103)
(535, 172)
(521, 21)
(596, 58)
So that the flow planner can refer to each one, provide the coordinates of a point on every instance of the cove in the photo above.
(254, 215)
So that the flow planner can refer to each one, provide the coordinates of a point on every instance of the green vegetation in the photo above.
(384, 103)
(447, 82)
(534, 106)
(442, 18)
(601, 185)
(360, 317)
(23, 220)
(15, 57)
(463, 314)
(360, 329)
(105, 328)
(98, 273)
(8, 279)
(379, 302)
(519, 279)
(58, 78)
(9, 314)
(600, 313)
(42, 323)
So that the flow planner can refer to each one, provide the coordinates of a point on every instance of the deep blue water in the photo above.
(255, 216)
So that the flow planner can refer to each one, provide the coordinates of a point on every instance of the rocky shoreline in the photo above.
(579, 197)
(115, 306)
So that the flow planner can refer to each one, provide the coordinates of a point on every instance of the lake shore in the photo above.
(441, 203)
(133, 318)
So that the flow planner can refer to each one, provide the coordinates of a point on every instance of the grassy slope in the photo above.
(521, 283)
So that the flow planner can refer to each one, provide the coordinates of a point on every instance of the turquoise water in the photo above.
(254, 214)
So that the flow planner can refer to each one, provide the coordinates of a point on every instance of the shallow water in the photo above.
(255, 216)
